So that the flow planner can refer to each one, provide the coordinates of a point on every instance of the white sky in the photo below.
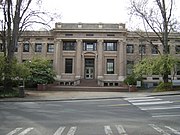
(94, 11)
(89, 11)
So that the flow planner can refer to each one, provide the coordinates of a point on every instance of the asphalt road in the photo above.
(158, 115)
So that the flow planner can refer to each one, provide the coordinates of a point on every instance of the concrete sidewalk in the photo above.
(79, 95)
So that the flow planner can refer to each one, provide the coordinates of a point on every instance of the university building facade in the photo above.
(102, 52)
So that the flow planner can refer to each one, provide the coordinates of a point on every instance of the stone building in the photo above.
(101, 52)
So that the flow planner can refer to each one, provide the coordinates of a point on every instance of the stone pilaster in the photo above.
(122, 59)
(100, 59)
(31, 49)
(58, 57)
(78, 65)
(20, 51)
(44, 49)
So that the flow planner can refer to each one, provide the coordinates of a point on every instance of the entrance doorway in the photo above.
(89, 68)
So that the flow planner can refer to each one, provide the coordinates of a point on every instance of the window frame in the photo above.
(110, 66)
(26, 49)
(130, 65)
(1, 47)
(142, 49)
(50, 47)
(177, 49)
(154, 50)
(68, 65)
(89, 46)
(69, 45)
(178, 68)
(37, 49)
(130, 48)
(110, 46)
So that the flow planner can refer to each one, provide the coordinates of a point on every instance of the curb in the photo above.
(66, 99)
(168, 94)
(76, 99)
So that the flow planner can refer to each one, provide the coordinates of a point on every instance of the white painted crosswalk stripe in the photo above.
(108, 130)
(164, 130)
(121, 130)
(158, 129)
(153, 103)
(173, 130)
(138, 98)
(60, 131)
(14, 131)
(72, 131)
(26, 131)
(160, 108)
(144, 100)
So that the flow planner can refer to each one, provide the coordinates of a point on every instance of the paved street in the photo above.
(152, 115)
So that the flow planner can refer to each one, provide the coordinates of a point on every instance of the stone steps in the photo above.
(88, 83)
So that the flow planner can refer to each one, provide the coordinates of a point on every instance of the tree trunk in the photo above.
(7, 72)
(165, 78)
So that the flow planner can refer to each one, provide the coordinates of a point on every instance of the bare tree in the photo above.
(157, 16)
(18, 15)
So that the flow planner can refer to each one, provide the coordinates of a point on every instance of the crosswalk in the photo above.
(60, 130)
(119, 128)
(20, 131)
(166, 130)
(155, 106)
(108, 130)
(150, 103)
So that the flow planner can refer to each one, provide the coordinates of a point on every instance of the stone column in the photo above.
(44, 49)
(100, 59)
(58, 58)
(78, 65)
(31, 49)
(20, 52)
(122, 59)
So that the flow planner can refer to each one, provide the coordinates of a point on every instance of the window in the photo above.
(26, 39)
(130, 65)
(178, 68)
(89, 46)
(51, 63)
(68, 34)
(154, 49)
(69, 45)
(1, 47)
(90, 35)
(142, 49)
(110, 46)
(38, 47)
(110, 35)
(110, 66)
(177, 48)
(51, 39)
(130, 48)
(38, 38)
(25, 47)
(68, 65)
(50, 47)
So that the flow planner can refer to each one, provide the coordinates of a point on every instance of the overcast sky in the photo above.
(89, 11)
(93, 11)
